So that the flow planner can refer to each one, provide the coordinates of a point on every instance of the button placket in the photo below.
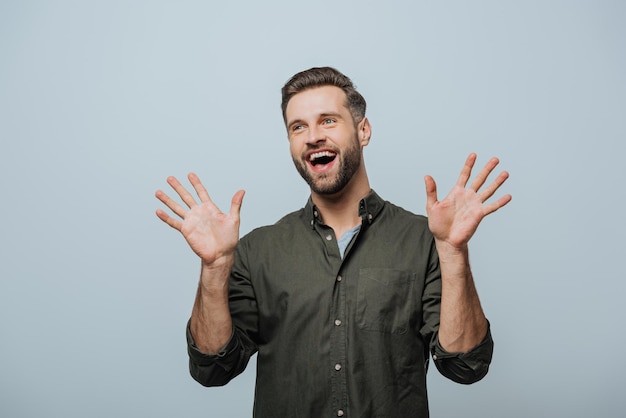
(338, 349)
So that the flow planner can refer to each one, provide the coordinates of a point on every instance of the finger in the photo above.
(466, 172)
(199, 188)
(491, 189)
(431, 192)
(492, 207)
(171, 203)
(235, 204)
(174, 223)
(182, 192)
(484, 173)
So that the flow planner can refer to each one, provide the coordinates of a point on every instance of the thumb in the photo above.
(235, 203)
(431, 192)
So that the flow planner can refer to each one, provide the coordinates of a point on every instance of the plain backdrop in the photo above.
(100, 101)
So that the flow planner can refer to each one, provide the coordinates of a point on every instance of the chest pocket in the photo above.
(386, 300)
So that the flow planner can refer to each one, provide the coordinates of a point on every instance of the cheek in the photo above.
(295, 147)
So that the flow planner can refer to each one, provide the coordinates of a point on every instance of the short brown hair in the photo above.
(324, 76)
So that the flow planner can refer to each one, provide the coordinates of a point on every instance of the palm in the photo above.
(454, 219)
(210, 233)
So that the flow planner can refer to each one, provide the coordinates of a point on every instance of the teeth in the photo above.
(320, 154)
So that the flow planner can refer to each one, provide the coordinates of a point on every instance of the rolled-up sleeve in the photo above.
(468, 367)
(212, 369)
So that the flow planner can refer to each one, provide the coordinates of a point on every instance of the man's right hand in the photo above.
(210, 233)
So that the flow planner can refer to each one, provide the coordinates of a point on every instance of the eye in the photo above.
(295, 128)
(329, 121)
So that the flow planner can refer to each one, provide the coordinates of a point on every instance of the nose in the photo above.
(315, 135)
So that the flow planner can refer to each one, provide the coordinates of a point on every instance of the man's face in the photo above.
(324, 141)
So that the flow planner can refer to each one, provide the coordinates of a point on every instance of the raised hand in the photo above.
(454, 219)
(210, 233)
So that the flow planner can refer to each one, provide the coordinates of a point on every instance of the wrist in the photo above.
(214, 276)
(219, 263)
(445, 250)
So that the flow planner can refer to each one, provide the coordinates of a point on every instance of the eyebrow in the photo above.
(333, 114)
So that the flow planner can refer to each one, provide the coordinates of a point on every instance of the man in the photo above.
(346, 299)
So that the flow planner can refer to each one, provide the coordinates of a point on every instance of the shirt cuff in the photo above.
(468, 367)
(200, 357)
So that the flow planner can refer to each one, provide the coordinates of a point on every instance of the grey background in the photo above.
(100, 101)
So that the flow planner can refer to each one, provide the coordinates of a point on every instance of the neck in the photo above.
(340, 211)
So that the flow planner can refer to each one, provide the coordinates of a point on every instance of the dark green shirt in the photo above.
(338, 336)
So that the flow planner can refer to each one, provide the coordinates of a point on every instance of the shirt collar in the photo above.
(369, 208)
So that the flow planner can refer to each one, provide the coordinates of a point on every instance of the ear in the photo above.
(364, 131)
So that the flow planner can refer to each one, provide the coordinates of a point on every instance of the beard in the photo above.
(330, 183)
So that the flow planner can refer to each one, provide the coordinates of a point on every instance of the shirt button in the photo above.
(340, 413)
(339, 278)
(337, 366)
(337, 322)
(434, 356)
(329, 237)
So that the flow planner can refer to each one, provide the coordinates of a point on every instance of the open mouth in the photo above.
(322, 158)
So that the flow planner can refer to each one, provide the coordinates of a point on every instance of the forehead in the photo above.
(317, 101)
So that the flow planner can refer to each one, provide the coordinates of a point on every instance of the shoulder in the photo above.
(395, 214)
(397, 224)
(288, 224)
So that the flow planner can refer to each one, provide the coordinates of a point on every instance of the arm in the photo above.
(213, 236)
(211, 324)
(453, 222)
(220, 368)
